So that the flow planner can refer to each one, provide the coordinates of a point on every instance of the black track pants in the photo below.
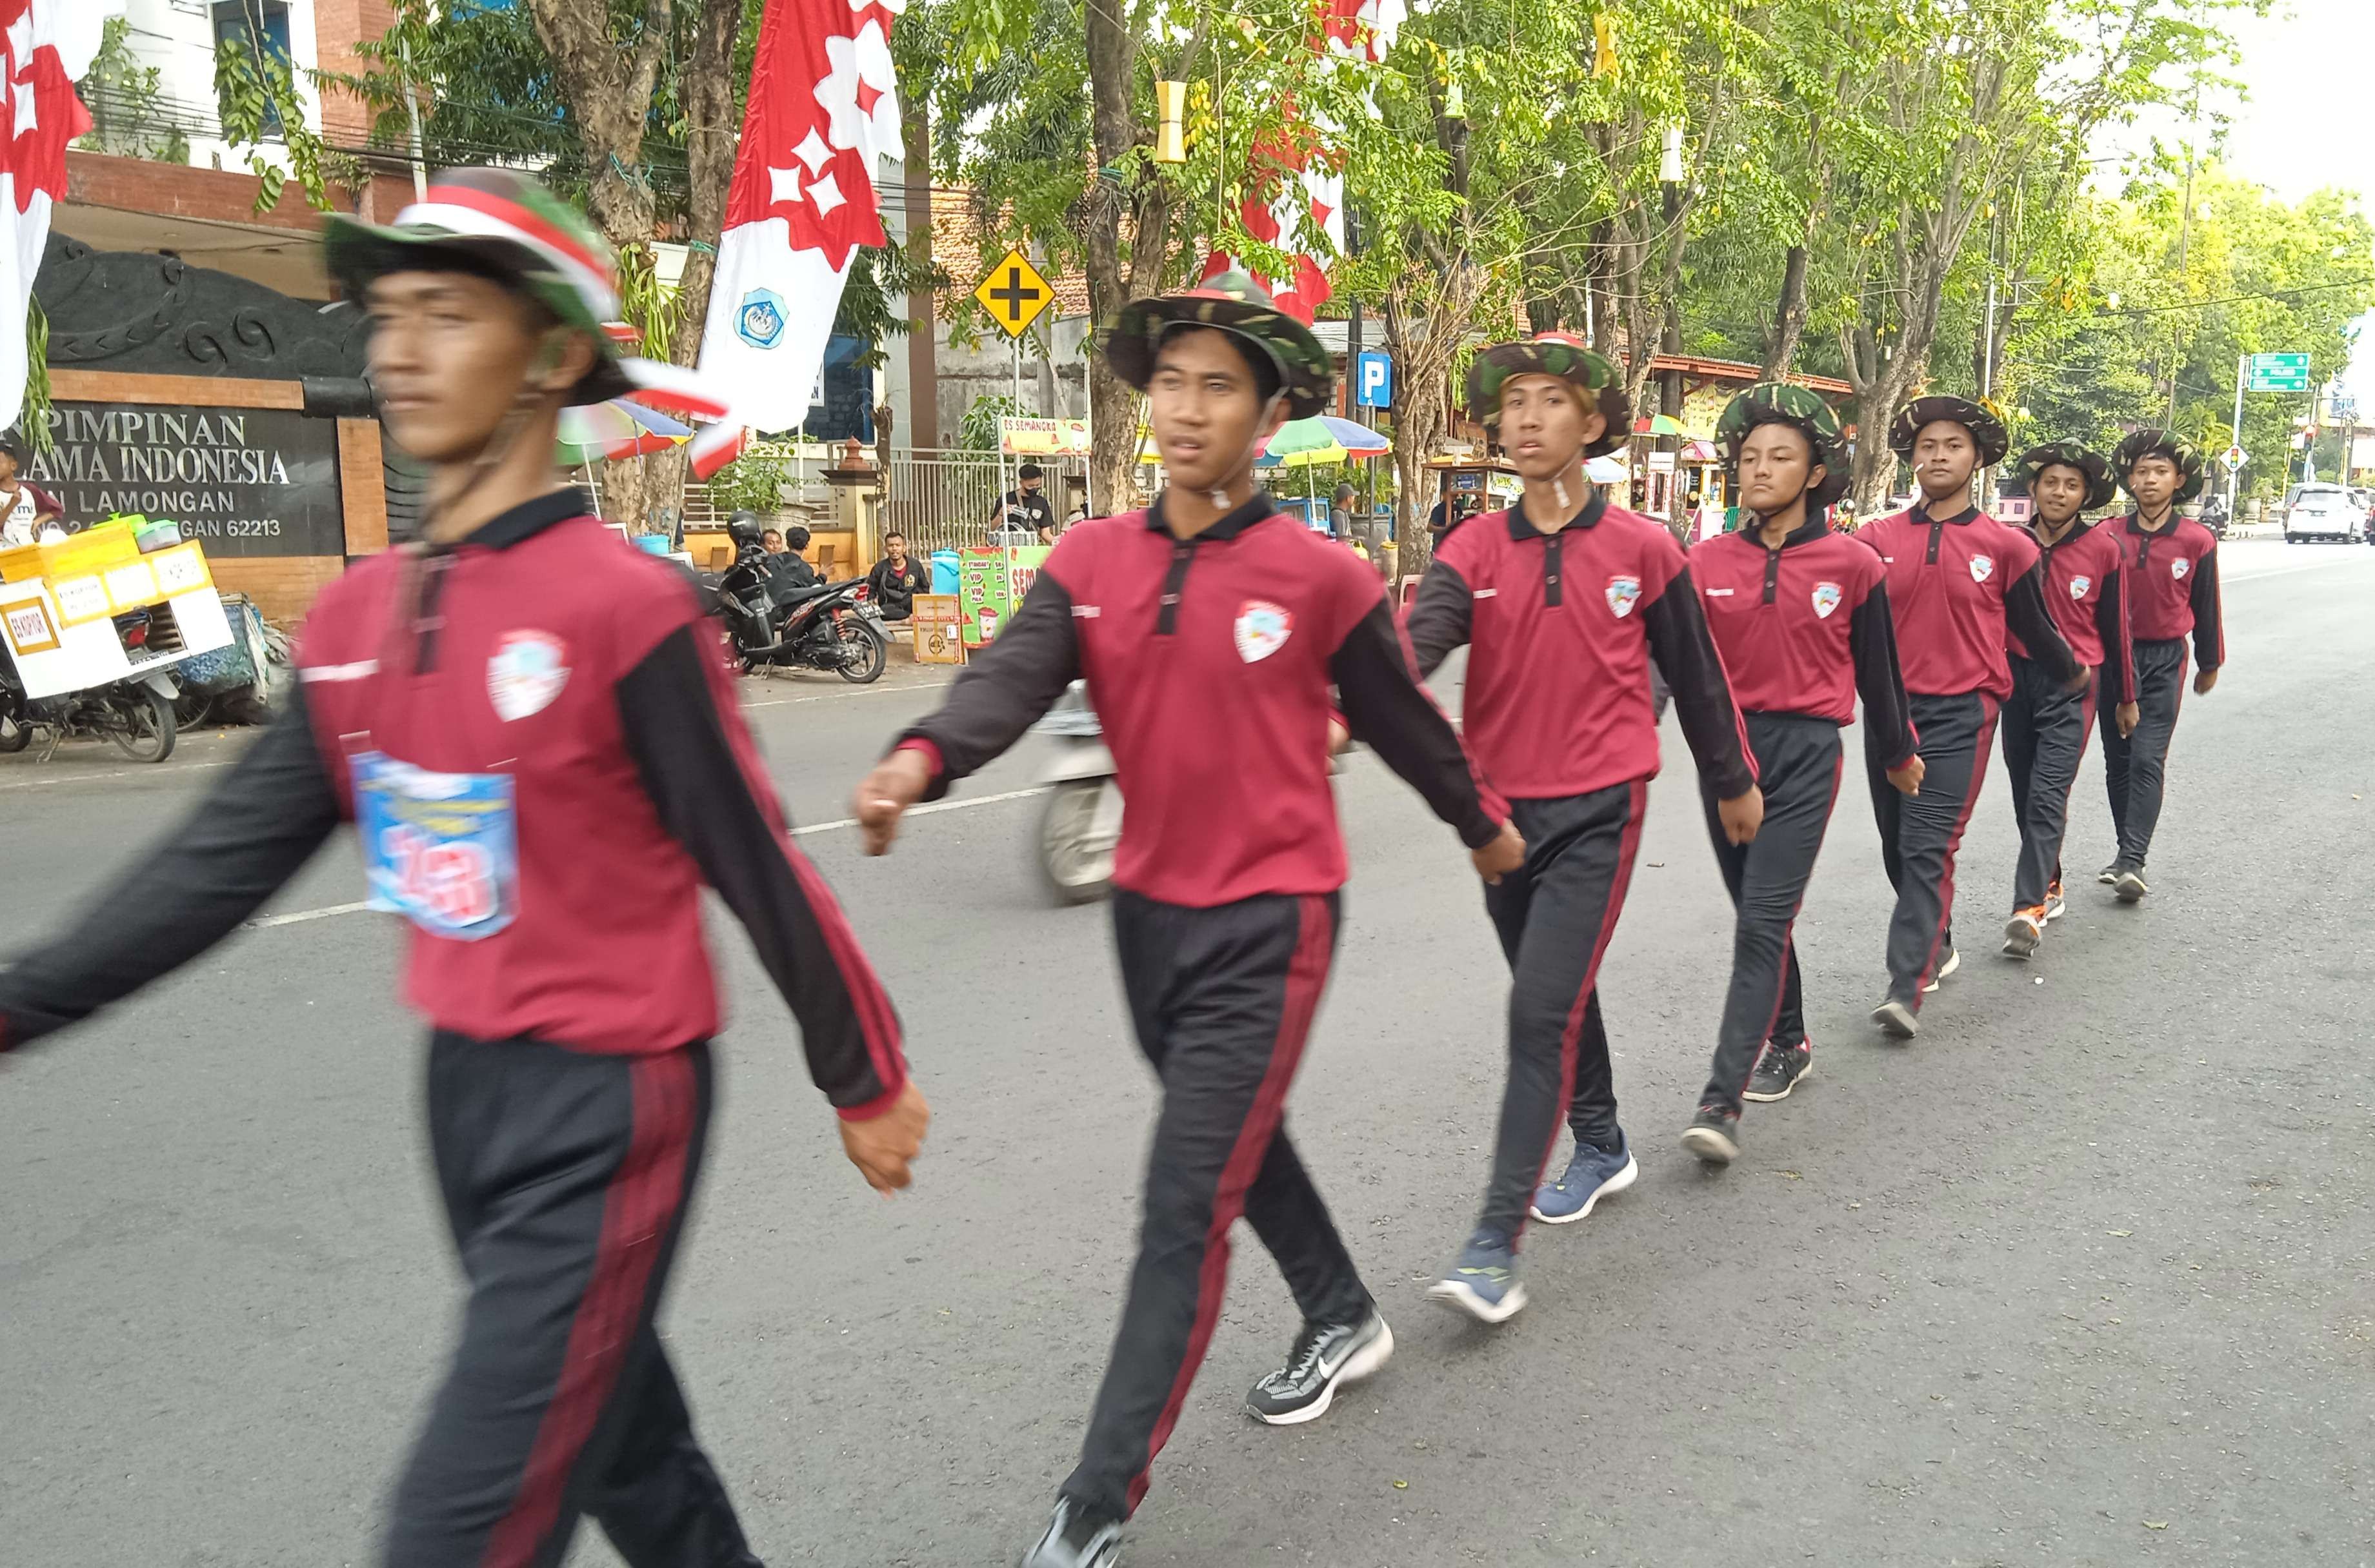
(1223, 1000)
(1919, 834)
(1555, 918)
(1798, 764)
(2135, 767)
(565, 1175)
(2045, 732)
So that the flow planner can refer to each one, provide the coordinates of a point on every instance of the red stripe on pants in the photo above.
(642, 1198)
(1638, 805)
(1306, 974)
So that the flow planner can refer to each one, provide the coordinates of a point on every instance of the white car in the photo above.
(2322, 512)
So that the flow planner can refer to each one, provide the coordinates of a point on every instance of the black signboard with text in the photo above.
(241, 481)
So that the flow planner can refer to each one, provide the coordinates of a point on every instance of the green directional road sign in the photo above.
(2279, 372)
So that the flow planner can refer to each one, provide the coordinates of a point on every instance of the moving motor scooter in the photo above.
(1080, 823)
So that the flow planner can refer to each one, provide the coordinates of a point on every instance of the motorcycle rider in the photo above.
(1210, 627)
(541, 749)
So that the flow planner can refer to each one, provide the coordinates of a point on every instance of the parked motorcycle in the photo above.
(1080, 823)
(824, 626)
(136, 713)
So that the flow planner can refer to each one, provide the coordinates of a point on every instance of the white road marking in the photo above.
(149, 771)
(265, 922)
(2277, 571)
(298, 917)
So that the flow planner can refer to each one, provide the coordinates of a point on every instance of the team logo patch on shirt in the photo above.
(1262, 629)
(525, 673)
(1982, 568)
(2078, 586)
(2177, 568)
(1624, 592)
(1826, 599)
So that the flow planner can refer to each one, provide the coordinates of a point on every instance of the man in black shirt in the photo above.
(896, 578)
(1025, 509)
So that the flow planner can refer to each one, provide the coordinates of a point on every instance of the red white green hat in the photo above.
(510, 226)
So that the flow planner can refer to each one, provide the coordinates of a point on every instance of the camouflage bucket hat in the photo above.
(1231, 303)
(1804, 410)
(2100, 486)
(1988, 432)
(2141, 445)
(1559, 354)
(508, 227)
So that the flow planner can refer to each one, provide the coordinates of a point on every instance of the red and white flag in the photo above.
(823, 116)
(1361, 28)
(1296, 205)
(45, 46)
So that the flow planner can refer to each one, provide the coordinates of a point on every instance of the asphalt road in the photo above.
(2085, 1275)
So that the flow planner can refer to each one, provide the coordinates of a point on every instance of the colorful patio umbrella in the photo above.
(1657, 425)
(1306, 439)
(621, 427)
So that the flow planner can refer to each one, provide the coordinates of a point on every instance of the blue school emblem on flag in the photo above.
(759, 321)
(1826, 599)
(1624, 592)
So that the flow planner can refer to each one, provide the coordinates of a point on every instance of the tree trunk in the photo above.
(705, 86)
(1789, 318)
(1113, 423)
(610, 91)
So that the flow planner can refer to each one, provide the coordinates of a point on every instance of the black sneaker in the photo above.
(1780, 1069)
(1713, 1135)
(2109, 874)
(1076, 1538)
(1326, 1355)
(2128, 887)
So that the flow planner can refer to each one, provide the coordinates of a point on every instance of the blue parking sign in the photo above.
(1373, 379)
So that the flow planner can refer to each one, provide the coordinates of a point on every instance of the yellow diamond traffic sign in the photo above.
(1014, 294)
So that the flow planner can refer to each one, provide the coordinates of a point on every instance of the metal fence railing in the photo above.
(942, 500)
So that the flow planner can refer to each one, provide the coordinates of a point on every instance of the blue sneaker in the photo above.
(1483, 1283)
(1591, 1176)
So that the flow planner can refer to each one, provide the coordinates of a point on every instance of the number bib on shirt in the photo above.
(440, 849)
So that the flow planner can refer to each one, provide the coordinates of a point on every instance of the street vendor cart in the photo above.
(94, 623)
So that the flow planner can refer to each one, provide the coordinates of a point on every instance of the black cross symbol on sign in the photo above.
(1015, 295)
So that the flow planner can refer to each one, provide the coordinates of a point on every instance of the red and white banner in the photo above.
(823, 115)
(45, 46)
(1296, 205)
(1361, 28)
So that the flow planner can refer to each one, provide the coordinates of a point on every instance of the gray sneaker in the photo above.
(2129, 886)
(1713, 1135)
(1897, 1020)
(1076, 1538)
(1483, 1282)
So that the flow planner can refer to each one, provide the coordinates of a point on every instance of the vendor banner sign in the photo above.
(241, 481)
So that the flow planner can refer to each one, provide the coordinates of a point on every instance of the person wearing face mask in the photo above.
(1800, 615)
(2172, 573)
(1562, 601)
(2045, 726)
(1210, 628)
(1960, 586)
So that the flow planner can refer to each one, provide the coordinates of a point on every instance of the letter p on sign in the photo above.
(1373, 381)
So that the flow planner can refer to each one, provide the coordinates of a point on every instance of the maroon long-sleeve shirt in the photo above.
(1803, 628)
(2173, 584)
(1960, 587)
(1560, 630)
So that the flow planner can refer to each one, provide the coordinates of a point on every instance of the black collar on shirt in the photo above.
(1814, 527)
(528, 519)
(2137, 525)
(1922, 514)
(1520, 530)
(2079, 529)
(1228, 528)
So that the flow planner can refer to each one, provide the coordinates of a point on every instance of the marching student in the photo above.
(1210, 627)
(1562, 600)
(2173, 570)
(1800, 615)
(1959, 585)
(536, 735)
(2045, 726)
